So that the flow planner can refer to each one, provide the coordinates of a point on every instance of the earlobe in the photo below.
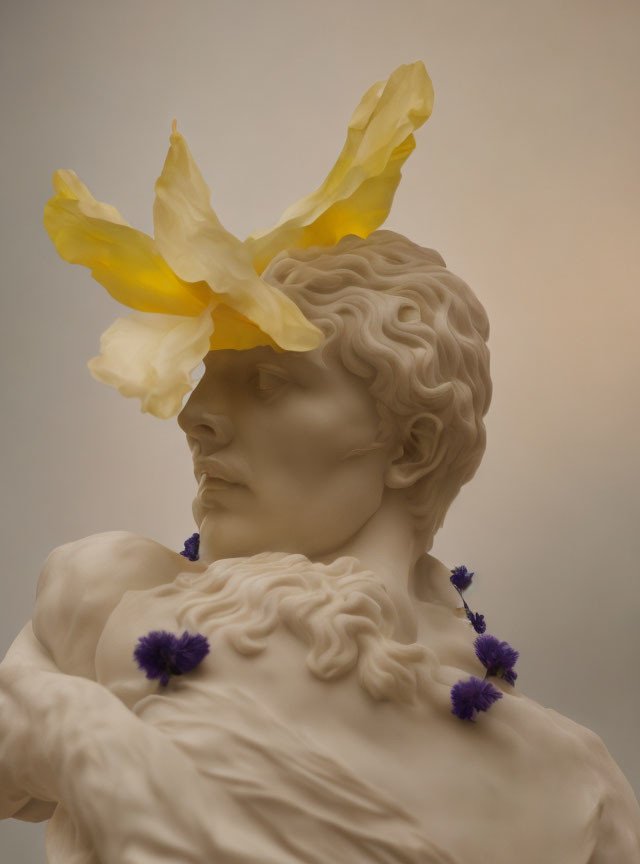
(419, 455)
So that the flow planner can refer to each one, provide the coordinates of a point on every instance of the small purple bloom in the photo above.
(497, 657)
(161, 654)
(510, 676)
(477, 620)
(190, 651)
(192, 547)
(469, 697)
(461, 578)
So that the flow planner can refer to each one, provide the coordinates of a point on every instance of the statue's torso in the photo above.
(515, 785)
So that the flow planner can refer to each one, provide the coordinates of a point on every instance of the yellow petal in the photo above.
(151, 357)
(68, 185)
(233, 330)
(198, 248)
(357, 194)
(125, 261)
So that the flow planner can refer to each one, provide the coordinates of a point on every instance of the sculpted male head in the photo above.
(296, 451)
(417, 334)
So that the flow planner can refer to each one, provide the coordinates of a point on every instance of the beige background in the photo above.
(526, 180)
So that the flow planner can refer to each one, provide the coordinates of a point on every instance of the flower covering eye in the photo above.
(195, 287)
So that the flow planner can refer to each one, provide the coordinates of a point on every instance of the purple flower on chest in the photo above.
(162, 654)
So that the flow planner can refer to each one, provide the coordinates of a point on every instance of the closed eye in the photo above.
(270, 379)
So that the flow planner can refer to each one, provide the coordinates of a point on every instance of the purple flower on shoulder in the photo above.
(461, 578)
(469, 697)
(477, 620)
(161, 654)
(510, 676)
(497, 657)
(192, 547)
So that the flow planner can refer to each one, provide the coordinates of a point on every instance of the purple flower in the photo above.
(461, 578)
(469, 697)
(190, 651)
(192, 547)
(476, 619)
(161, 654)
(497, 657)
(510, 676)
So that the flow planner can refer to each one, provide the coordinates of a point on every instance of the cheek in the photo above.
(315, 437)
(306, 480)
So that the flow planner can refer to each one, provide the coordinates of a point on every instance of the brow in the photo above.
(284, 360)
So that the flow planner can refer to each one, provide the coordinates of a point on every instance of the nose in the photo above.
(204, 429)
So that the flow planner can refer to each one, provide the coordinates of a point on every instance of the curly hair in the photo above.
(344, 616)
(417, 334)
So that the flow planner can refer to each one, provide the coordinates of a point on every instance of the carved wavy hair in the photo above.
(417, 334)
(342, 614)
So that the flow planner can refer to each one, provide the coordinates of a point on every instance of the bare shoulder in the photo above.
(615, 817)
(83, 581)
(618, 814)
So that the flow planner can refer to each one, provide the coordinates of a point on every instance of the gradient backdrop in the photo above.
(526, 179)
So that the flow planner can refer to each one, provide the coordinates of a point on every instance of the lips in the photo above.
(212, 471)
(217, 484)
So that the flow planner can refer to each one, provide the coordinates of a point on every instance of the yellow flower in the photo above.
(356, 196)
(152, 356)
(195, 287)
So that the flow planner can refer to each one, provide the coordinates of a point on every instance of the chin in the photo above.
(225, 535)
(230, 533)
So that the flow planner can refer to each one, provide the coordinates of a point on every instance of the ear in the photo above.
(419, 454)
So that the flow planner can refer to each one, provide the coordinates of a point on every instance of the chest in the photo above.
(489, 777)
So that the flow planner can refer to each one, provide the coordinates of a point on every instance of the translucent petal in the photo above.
(151, 357)
(125, 261)
(198, 248)
(68, 185)
(357, 194)
(232, 330)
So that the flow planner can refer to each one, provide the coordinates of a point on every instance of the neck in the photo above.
(387, 545)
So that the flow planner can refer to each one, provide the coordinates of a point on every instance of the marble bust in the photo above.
(319, 727)
(339, 414)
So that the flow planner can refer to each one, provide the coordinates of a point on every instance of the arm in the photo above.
(67, 739)
(14, 799)
(79, 586)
